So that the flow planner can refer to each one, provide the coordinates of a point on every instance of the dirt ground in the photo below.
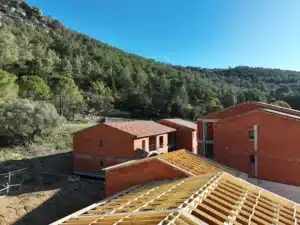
(46, 194)
(46, 203)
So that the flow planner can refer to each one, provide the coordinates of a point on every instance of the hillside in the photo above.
(33, 44)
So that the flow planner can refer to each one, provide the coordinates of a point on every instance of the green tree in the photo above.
(255, 95)
(138, 103)
(8, 86)
(240, 97)
(282, 104)
(228, 99)
(282, 92)
(34, 88)
(23, 119)
(9, 51)
(65, 67)
(102, 98)
(66, 96)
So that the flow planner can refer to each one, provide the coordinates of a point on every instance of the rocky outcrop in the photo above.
(18, 12)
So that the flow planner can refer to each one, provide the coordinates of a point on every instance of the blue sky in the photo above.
(212, 33)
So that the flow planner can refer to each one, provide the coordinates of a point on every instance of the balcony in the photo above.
(154, 147)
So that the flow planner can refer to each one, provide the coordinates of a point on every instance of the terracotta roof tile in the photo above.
(140, 128)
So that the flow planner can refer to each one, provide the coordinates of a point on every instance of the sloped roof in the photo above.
(275, 112)
(184, 123)
(281, 114)
(140, 128)
(183, 160)
(217, 198)
(222, 114)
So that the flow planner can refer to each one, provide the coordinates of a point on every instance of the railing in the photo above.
(152, 147)
(10, 180)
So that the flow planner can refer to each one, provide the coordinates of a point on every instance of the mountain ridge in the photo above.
(42, 46)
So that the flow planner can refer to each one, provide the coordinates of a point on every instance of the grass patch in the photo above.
(59, 141)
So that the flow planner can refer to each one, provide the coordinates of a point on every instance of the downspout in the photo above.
(203, 138)
(255, 131)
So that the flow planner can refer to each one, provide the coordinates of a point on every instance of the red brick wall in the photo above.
(121, 178)
(278, 138)
(183, 135)
(88, 156)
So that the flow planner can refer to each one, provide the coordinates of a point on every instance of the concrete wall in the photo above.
(121, 178)
(278, 141)
(184, 138)
(89, 157)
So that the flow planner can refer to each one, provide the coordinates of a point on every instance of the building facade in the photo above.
(185, 134)
(111, 143)
(205, 124)
(262, 143)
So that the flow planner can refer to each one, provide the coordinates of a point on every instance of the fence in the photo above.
(11, 181)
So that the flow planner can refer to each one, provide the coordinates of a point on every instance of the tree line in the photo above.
(66, 67)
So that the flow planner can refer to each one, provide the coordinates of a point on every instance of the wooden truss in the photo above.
(217, 198)
(190, 163)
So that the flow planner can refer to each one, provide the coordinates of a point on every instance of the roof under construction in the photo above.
(184, 160)
(217, 198)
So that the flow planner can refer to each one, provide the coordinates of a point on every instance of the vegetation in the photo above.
(282, 104)
(101, 99)
(58, 65)
(66, 96)
(58, 141)
(8, 87)
(34, 88)
(22, 120)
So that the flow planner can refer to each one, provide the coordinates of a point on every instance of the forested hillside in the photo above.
(71, 64)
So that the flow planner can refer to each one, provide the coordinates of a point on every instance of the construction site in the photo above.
(136, 184)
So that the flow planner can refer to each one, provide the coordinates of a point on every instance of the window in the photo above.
(251, 135)
(100, 144)
(161, 141)
(143, 144)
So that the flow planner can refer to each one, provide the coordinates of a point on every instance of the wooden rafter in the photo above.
(216, 198)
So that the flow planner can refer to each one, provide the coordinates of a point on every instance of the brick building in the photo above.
(185, 134)
(176, 164)
(110, 143)
(255, 138)
(205, 123)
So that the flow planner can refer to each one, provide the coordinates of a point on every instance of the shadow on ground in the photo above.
(46, 194)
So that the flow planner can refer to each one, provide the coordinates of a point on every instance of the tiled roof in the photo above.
(217, 198)
(140, 128)
(184, 160)
(184, 123)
